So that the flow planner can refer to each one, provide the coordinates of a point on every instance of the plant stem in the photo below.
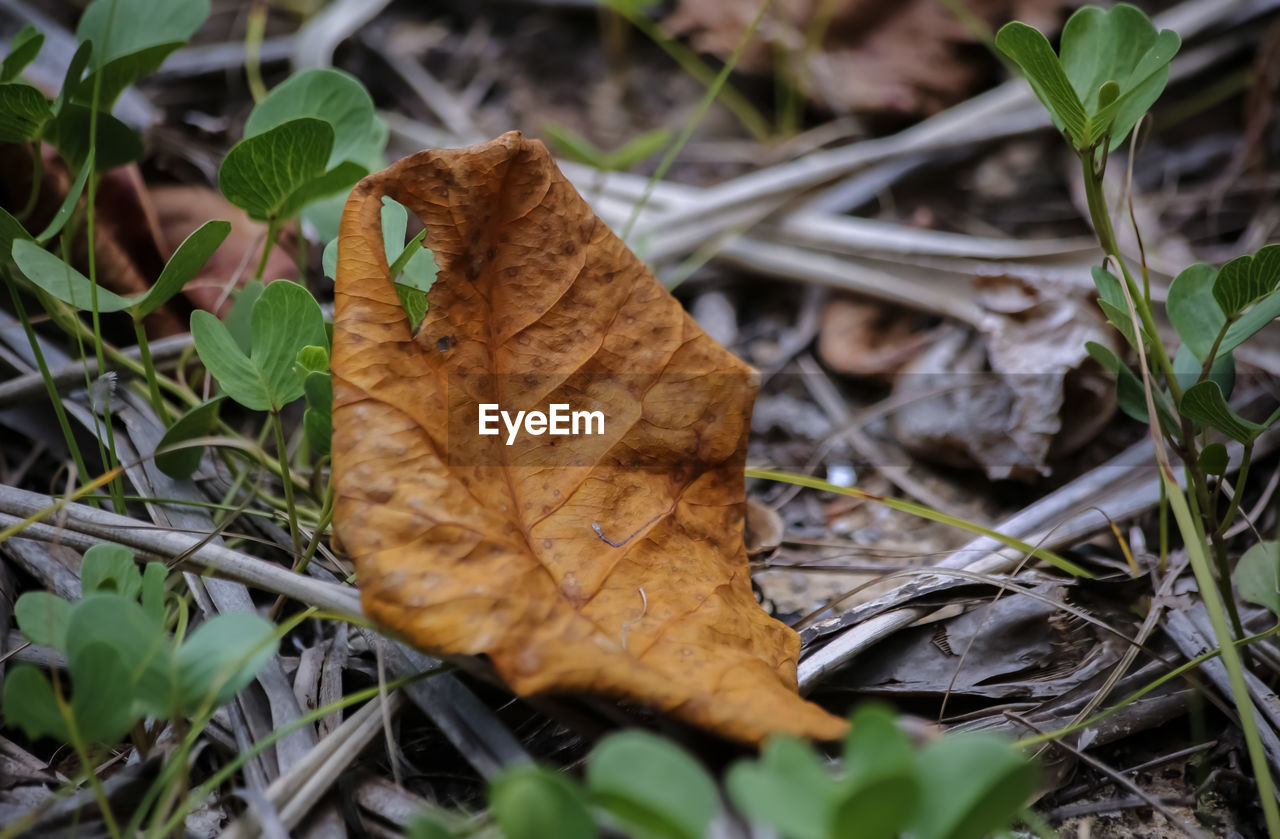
(37, 181)
(149, 370)
(326, 516)
(273, 231)
(1245, 461)
(1230, 655)
(55, 399)
(1107, 239)
(282, 452)
(1205, 522)
(254, 32)
(86, 765)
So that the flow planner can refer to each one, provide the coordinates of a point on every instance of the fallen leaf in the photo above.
(610, 564)
(764, 528)
(180, 209)
(911, 58)
(1017, 395)
(861, 338)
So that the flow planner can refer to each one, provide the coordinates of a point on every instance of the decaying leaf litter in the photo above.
(934, 210)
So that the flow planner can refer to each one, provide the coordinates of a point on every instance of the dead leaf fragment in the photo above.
(912, 58)
(610, 564)
(180, 209)
(869, 339)
(1017, 395)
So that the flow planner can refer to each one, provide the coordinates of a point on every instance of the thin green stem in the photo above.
(326, 516)
(1205, 522)
(1164, 529)
(1107, 239)
(37, 181)
(273, 231)
(282, 452)
(255, 31)
(1185, 667)
(221, 776)
(86, 762)
(713, 90)
(735, 102)
(149, 371)
(1231, 658)
(55, 399)
(1234, 507)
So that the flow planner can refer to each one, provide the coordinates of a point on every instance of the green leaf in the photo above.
(1214, 459)
(788, 789)
(60, 280)
(234, 372)
(976, 783)
(425, 828)
(412, 267)
(314, 359)
(330, 95)
(185, 263)
(200, 421)
(1193, 310)
(338, 179)
(23, 49)
(138, 638)
(239, 319)
(221, 657)
(1205, 404)
(116, 143)
(414, 303)
(1257, 316)
(638, 149)
(261, 174)
(1141, 90)
(67, 207)
(329, 259)
(395, 225)
(568, 143)
(325, 215)
(317, 420)
(43, 618)
(415, 267)
(1112, 301)
(1032, 52)
(23, 113)
(132, 38)
(108, 567)
(102, 699)
(1246, 279)
(11, 230)
(1257, 575)
(880, 788)
(1115, 48)
(71, 79)
(285, 319)
(153, 580)
(1187, 368)
(653, 784)
(529, 802)
(30, 704)
(1129, 390)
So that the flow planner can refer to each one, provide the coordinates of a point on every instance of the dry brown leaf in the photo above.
(913, 57)
(1018, 394)
(871, 339)
(612, 564)
(180, 209)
